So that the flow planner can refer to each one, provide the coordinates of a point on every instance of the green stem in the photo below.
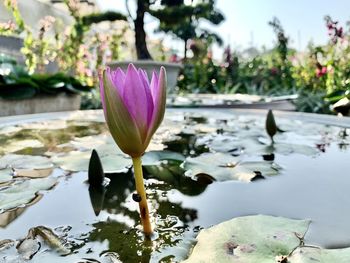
(140, 188)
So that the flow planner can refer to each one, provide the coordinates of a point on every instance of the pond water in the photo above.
(203, 167)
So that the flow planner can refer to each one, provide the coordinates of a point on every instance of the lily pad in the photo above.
(5, 175)
(47, 125)
(249, 239)
(9, 129)
(156, 157)
(224, 167)
(314, 254)
(21, 193)
(24, 162)
(76, 161)
(33, 173)
(17, 145)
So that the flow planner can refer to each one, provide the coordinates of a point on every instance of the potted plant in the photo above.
(24, 93)
(169, 16)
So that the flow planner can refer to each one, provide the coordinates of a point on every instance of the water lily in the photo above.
(134, 108)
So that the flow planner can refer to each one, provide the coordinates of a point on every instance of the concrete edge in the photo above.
(307, 117)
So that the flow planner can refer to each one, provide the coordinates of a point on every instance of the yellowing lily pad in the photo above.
(17, 145)
(250, 239)
(224, 167)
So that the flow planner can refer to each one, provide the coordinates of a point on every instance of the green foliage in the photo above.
(18, 84)
(320, 76)
(182, 20)
(13, 9)
(76, 46)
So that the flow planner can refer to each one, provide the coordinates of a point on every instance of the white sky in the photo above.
(247, 21)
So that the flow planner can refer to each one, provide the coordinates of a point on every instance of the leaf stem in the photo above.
(140, 188)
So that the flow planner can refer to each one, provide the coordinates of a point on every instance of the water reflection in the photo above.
(172, 219)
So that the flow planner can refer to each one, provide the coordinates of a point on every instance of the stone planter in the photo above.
(172, 69)
(41, 103)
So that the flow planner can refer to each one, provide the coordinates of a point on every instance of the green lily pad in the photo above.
(5, 175)
(315, 254)
(91, 142)
(252, 144)
(23, 192)
(156, 157)
(112, 160)
(249, 239)
(24, 162)
(224, 167)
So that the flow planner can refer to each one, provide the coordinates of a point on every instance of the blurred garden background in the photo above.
(295, 50)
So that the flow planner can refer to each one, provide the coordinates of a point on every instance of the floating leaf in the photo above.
(74, 161)
(9, 129)
(223, 167)
(17, 145)
(315, 254)
(5, 175)
(112, 161)
(249, 239)
(21, 193)
(155, 157)
(47, 125)
(33, 173)
(24, 162)
(7, 217)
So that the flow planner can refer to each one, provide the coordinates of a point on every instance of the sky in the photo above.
(246, 22)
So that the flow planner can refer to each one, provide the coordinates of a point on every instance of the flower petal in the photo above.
(102, 94)
(135, 99)
(120, 123)
(158, 88)
(150, 106)
(118, 79)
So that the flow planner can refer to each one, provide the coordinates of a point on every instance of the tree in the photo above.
(177, 18)
(183, 20)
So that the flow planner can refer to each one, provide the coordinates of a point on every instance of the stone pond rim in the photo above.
(325, 119)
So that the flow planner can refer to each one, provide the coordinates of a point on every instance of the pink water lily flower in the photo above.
(133, 106)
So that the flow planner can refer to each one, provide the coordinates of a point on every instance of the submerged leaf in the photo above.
(31, 244)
